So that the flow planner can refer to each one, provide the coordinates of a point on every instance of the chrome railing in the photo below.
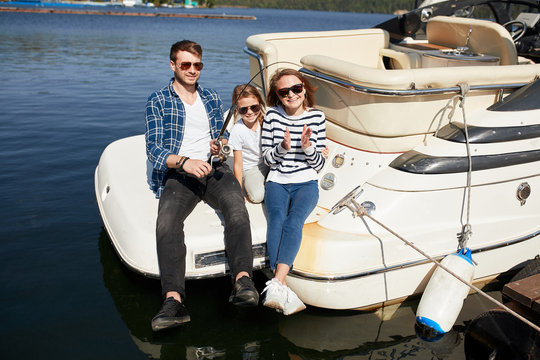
(261, 68)
(405, 92)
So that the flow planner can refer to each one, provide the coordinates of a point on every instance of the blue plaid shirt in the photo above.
(165, 119)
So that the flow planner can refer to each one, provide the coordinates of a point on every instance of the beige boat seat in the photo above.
(401, 60)
(486, 37)
(359, 46)
(362, 47)
(395, 123)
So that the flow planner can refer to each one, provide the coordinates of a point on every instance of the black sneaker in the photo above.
(171, 314)
(244, 293)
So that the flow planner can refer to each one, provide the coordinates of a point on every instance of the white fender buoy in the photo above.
(443, 297)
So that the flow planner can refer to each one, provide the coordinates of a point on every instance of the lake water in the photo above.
(70, 85)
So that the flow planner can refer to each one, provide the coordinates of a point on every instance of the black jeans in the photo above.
(182, 192)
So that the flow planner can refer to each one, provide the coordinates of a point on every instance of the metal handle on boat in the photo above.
(348, 201)
(261, 68)
(407, 92)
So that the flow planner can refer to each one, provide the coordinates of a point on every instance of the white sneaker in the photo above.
(281, 298)
(276, 295)
(293, 303)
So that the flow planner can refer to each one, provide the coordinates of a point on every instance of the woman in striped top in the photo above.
(292, 139)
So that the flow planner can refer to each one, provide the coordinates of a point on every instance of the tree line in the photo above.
(363, 6)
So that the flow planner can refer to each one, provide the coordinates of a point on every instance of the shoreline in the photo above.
(125, 13)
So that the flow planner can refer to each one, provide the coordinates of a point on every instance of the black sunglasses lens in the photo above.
(283, 92)
(297, 89)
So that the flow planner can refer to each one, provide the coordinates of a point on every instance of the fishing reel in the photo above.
(224, 149)
(223, 154)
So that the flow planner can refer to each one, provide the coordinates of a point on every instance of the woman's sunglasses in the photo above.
(297, 89)
(187, 65)
(254, 109)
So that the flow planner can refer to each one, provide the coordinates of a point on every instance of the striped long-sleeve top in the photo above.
(296, 165)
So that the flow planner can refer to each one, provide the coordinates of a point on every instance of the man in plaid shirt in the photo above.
(183, 121)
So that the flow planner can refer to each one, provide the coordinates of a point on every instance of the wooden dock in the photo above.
(500, 334)
(125, 13)
(525, 297)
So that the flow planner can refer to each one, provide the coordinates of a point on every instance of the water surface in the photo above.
(71, 84)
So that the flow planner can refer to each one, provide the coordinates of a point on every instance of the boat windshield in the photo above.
(413, 23)
(520, 17)
(525, 98)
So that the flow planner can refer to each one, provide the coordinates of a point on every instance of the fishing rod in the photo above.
(224, 149)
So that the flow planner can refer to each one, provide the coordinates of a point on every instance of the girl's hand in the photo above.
(304, 140)
(286, 143)
(325, 152)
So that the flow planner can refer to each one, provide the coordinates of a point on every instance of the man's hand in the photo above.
(214, 147)
(199, 168)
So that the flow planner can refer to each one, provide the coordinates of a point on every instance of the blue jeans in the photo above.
(287, 208)
(182, 193)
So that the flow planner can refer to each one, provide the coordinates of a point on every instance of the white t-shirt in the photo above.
(248, 141)
(196, 140)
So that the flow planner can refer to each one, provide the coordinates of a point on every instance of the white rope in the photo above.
(361, 211)
(466, 230)
(443, 111)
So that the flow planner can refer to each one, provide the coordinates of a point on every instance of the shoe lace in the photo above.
(275, 284)
(169, 307)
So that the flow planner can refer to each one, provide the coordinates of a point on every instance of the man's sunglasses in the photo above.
(297, 89)
(254, 109)
(187, 65)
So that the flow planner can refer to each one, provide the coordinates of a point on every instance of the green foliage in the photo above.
(207, 3)
(364, 6)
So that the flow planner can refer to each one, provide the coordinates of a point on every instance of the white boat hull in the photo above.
(388, 285)
(380, 133)
(350, 262)
(129, 209)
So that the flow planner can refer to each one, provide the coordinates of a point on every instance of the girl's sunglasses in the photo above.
(187, 65)
(297, 89)
(254, 109)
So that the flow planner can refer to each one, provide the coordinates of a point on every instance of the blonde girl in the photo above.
(245, 140)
